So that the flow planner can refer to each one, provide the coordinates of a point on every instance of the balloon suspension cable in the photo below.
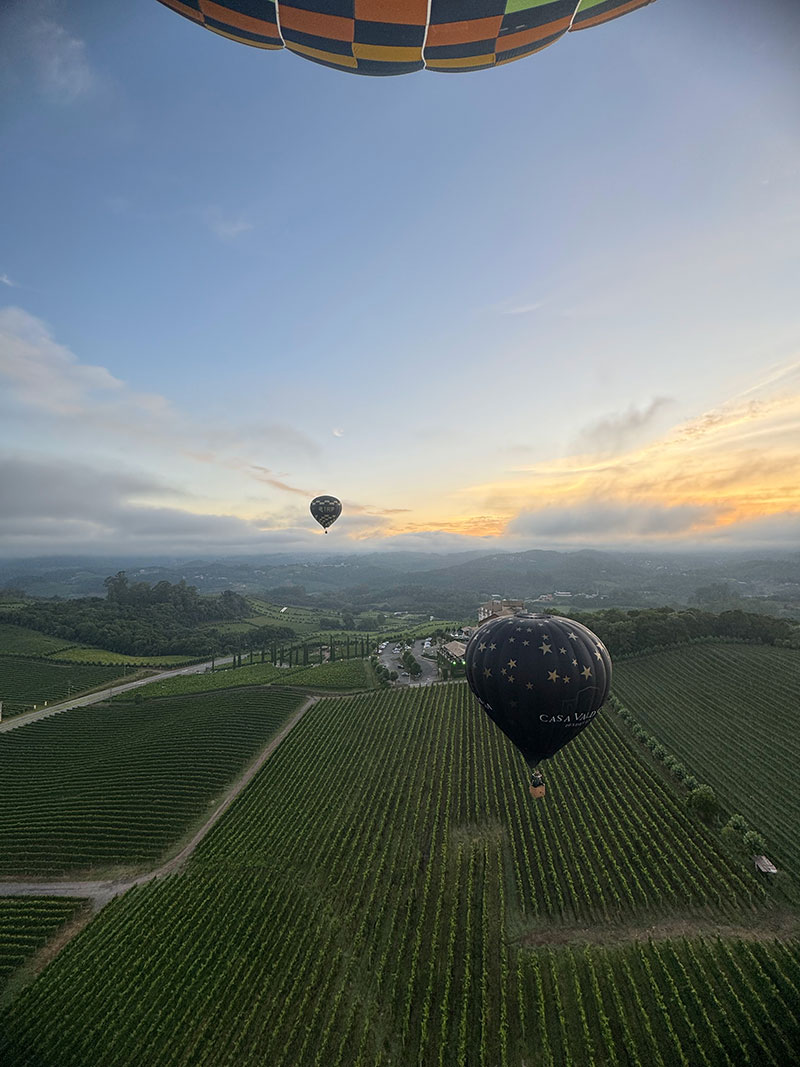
(537, 786)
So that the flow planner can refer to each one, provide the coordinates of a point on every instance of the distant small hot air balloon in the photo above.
(326, 510)
(541, 679)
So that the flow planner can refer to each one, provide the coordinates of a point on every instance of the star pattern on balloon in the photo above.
(529, 698)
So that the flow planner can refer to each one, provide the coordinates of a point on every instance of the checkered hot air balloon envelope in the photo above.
(401, 36)
(326, 510)
(541, 678)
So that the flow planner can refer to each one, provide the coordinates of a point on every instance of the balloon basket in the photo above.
(537, 791)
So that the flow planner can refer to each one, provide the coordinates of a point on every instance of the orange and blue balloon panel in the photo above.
(384, 37)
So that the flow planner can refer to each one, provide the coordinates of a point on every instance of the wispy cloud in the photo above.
(45, 375)
(619, 431)
(228, 229)
(263, 474)
(523, 309)
(337, 432)
(507, 307)
(54, 505)
(730, 467)
(44, 379)
(5, 280)
(60, 61)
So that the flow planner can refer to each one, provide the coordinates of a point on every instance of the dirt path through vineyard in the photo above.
(100, 892)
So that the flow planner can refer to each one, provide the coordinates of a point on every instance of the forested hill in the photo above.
(142, 620)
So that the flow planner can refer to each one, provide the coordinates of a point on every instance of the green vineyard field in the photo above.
(106, 785)
(86, 654)
(33, 681)
(257, 674)
(26, 924)
(20, 641)
(385, 892)
(343, 674)
(731, 715)
(302, 620)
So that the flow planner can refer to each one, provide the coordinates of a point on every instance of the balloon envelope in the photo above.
(326, 510)
(541, 678)
(401, 36)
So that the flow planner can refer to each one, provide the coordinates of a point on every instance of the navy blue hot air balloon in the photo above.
(541, 678)
(326, 510)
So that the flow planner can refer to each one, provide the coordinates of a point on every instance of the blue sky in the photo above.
(551, 304)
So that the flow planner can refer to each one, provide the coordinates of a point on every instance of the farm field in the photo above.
(731, 715)
(86, 654)
(25, 682)
(110, 785)
(26, 924)
(302, 620)
(341, 674)
(433, 915)
(20, 641)
(208, 681)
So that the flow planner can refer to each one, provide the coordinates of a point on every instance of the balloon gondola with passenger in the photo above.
(541, 678)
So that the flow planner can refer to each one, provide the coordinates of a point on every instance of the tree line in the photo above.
(624, 632)
(138, 619)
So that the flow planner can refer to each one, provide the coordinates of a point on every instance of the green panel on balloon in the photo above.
(594, 12)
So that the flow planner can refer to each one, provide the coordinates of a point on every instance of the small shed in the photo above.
(764, 865)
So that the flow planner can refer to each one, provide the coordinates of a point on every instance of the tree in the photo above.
(703, 801)
(733, 831)
(754, 842)
(117, 587)
(718, 596)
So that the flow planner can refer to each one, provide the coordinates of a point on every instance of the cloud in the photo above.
(41, 377)
(52, 506)
(49, 488)
(60, 61)
(779, 372)
(596, 521)
(437, 541)
(712, 479)
(228, 229)
(47, 376)
(523, 309)
(768, 532)
(467, 526)
(337, 432)
(615, 433)
(264, 474)
(5, 280)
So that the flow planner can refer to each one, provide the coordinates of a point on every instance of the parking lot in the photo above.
(392, 661)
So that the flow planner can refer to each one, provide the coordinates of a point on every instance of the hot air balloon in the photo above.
(326, 510)
(541, 679)
(401, 36)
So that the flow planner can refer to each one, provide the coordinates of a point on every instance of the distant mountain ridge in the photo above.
(420, 580)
